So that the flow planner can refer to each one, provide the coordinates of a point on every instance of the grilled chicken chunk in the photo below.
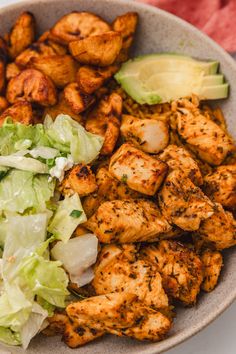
(33, 86)
(121, 314)
(138, 170)
(180, 159)
(3, 60)
(77, 25)
(212, 265)
(181, 269)
(117, 269)
(126, 221)
(22, 34)
(80, 179)
(149, 135)
(101, 49)
(220, 186)
(206, 138)
(219, 230)
(3, 104)
(104, 120)
(182, 203)
(20, 112)
(12, 70)
(76, 99)
(109, 188)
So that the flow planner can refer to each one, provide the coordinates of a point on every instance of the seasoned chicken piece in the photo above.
(180, 159)
(212, 264)
(62, 107)
(77, 100)
(220, 186)
(3, 104)
(149, 135)
(181, 269)
(20, 112)
(60, 68)
(219, 230)
(206, 138)
(138, 170)
(78, 25)
(182, 203)
(101, 49)
(22, 34)
(12, 70)
(33, 86)
(80, 179)
(104, 120)
(80, 230)
(3, 60)
(117, 269)
(91, 78)
(126, 25)
(126, 221)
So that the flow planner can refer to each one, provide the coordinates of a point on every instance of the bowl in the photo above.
(158, 31)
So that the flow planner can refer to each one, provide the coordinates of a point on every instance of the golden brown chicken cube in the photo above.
(80, 179)
(219, 230)
(19, 112)
(61, 69)
(181, 269)
(178, 158)
(104, 120)
(3, 104)
(149, 135)
(183, 203)
(126, 25)
(101, 49)
(91, 78)
(77, 25)
(117, 269)
(3, 60)
(212, 265)
(22, 34)
(220, 186)
(126, 221)
(206, 138)
(33, 86)
(77, 100)
(137, 169)
(12, 70)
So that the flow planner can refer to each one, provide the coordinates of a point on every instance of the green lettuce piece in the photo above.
(67, 135)
(23, 163)
(64, 223)
(22, 190)
(8, 337)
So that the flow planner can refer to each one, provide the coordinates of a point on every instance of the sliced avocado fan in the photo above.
(159, 78)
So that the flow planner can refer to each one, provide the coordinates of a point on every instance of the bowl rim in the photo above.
(168, 342)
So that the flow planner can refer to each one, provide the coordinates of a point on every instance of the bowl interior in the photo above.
(158, 32)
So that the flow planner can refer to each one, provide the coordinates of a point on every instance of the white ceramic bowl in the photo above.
(158, 31)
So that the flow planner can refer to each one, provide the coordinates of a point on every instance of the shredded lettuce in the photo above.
(23, 163)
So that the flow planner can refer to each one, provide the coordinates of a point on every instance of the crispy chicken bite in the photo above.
(12, 70)
(60, 68)
(104, 120)
(181, 269)
(80, 179)
(138, 170)
(212, 265)
(91, 78)
(3, 104)
(33, 86)
(180, 159)
(126, 221)
(149, 135)
(20, 112)
(101, 49)
(206, 138)
(117, 269)
(220, 186)
(126, 25)
(77, 100)
(77, 25)
(219, 230)
(22, 34)
(182, 203)
(3, 60)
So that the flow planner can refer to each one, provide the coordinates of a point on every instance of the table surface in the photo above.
(219, 337)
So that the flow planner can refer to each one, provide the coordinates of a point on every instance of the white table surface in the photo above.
(219, 337)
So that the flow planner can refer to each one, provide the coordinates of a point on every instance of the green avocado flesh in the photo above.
(158, 78)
